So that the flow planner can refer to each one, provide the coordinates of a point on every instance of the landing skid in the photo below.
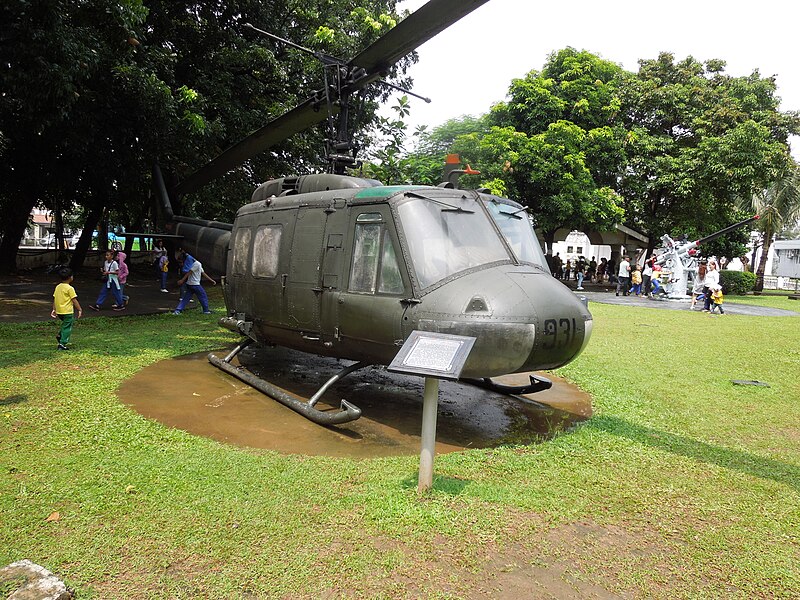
(348, 412)
(537, 384)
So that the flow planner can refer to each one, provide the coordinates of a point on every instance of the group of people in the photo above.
(639, 281)
(579, 269)
(708, 288)
(114, 273)
(633, 279)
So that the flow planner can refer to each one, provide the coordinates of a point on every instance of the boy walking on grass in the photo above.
(65, 303)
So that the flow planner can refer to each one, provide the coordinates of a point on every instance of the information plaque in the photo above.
(433, 354)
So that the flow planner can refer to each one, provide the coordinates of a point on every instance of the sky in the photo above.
(469, 66)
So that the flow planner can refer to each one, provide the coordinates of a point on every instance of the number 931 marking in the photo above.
(559, 332)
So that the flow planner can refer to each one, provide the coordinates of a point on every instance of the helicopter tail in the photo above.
(206, 240)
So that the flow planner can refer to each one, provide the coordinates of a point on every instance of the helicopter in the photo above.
(347, 267)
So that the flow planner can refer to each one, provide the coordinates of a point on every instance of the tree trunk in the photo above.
(549, 240)
(762, 263)
(85, 241)
(16, 219)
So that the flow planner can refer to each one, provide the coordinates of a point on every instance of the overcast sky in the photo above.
(469, 66)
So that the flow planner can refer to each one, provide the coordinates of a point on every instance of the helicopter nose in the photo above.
(522, 319)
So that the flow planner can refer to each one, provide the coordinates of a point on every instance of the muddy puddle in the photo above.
(190, 394)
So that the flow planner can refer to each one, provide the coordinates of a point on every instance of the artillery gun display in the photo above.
(679, 261)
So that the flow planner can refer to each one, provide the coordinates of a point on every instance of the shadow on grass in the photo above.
(446, 485)
(113, 337)
(735, 460)
(16, 399)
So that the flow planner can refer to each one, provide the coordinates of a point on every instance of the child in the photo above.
(717, 299)
(636, 280)
(65, 303)
(110, 270)
(123, 278)
(163, 268)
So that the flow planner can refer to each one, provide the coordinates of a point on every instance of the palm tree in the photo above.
(778, 206)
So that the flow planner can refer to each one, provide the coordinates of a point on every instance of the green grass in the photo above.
(682, 485)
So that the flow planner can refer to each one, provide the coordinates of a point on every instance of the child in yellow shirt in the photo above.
(65, 303)
(717, 299)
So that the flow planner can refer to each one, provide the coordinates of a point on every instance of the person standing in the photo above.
(193, 275)
(557, 266)
(698, 285)
(65, 303)
(709, 282)
(579, 272)
(122, 276)
(601, 270)
(624, 276)
(592, 272)
(647, 274)
(163, 268)
(110, 270)
(159, 251)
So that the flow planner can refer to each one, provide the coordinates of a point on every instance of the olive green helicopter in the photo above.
(348, 267)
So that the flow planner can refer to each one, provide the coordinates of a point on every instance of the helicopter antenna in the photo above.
(404, 90)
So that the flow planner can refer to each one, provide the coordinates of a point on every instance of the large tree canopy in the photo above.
(674, 145)
(95, 91)
(699, 139)
(556, 145)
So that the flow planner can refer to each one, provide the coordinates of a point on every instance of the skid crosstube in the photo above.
(348, 412)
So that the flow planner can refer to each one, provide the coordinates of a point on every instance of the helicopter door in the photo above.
(370, 310)
(303, 289)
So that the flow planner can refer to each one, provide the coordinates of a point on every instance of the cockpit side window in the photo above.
(266, 251)
(517, 229)
(241, 250)
(375, 267)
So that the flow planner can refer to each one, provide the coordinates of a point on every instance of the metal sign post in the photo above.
(436, 356)
(430, 403)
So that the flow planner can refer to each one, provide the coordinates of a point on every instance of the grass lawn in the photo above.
(682, 485)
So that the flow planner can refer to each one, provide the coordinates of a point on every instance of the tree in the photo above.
(778, 206)
(698, 140)
(100, 89)
(556, 145)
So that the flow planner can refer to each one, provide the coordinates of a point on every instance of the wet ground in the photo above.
(211, 403)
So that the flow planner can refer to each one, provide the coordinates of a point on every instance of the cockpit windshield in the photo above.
(518, 232)
(448, 236)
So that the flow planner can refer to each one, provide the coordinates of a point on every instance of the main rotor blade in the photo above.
(410, 33)
(296, 120)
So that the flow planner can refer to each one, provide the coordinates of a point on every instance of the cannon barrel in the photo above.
(725, 230)
(684, 249)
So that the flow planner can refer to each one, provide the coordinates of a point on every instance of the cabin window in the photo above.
(391, 281)
(375, 266)
(266, 250)
(241, 251)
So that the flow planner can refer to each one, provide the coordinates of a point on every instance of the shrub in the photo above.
(737, 283)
